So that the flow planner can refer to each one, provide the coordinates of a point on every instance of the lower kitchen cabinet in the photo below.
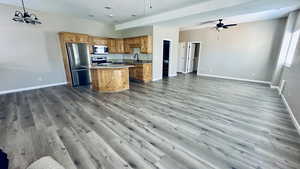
(141, 72)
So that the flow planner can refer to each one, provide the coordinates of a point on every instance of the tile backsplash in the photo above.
(121, 57)
(115, 57)
(141, 56)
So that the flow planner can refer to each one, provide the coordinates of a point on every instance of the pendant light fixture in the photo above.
(25, 17)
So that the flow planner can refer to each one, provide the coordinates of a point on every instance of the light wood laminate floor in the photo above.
(187, 122)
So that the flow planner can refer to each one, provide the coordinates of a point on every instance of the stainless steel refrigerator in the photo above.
(79, 63)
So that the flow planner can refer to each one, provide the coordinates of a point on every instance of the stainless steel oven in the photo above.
(96, 60)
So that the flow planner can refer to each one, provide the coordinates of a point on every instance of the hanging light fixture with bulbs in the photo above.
(26, 17)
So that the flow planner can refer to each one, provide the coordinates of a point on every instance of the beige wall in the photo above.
(248, 51)
(30, 55)
(161, 33)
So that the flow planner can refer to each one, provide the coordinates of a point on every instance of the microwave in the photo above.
(100, 50)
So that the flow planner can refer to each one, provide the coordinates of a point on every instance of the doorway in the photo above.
(166, 57)
(196, 57)
(189, 57)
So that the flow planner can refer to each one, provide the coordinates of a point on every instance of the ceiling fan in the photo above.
(221, 25)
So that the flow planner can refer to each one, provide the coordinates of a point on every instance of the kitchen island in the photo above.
(110, 78)
(141, 70)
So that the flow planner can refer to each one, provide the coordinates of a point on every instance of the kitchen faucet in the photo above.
(137, 57)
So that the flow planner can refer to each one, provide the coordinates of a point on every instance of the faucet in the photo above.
(137, 57)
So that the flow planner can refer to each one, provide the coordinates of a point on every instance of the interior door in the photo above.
(196, 57)
(166, 57)
(190, 58)
(183, 52)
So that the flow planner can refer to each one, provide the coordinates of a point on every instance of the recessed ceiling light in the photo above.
(110, 15)
(108, 7)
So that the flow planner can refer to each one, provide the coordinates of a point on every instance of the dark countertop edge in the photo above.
(111, 67)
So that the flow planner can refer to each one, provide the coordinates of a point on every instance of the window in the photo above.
(292, 48)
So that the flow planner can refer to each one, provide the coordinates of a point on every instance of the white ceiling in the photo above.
(185, 14)
(237, 19)
(243, 10)
(121, 9)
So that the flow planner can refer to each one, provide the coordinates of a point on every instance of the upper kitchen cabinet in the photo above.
(143, 42)
(134, 42)
(127, 48)
(146, 44)
(111, 43)
(68, 37)
(81, 38)
(116, 46)
(98, 41)
(120, 45)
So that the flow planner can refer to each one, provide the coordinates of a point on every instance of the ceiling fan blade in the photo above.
(230, 25)
(207, 22)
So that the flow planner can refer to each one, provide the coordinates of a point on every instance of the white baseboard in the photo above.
(277, 88)
(233, 78)
(31, 88)
(157, 79)
(160, 78)
(291, 113)
(172, 75)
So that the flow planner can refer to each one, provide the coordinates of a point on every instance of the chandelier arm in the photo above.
(34, 15)
(23, 6)
(19, 13)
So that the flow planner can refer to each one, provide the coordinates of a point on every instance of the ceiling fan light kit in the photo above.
(220, 26)
(26, 17)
